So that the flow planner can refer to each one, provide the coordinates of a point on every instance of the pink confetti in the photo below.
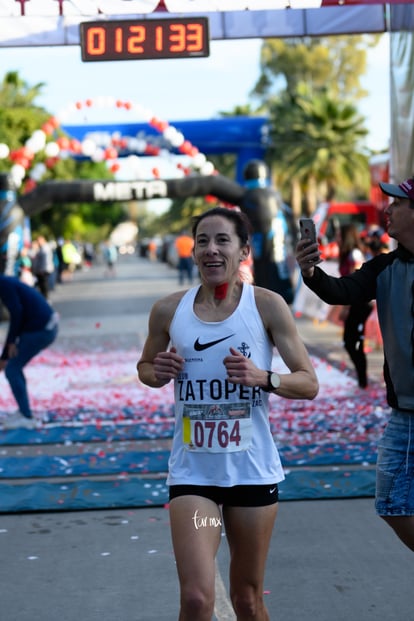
(101, 388)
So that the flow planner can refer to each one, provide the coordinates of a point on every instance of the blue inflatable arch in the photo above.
(247, 137)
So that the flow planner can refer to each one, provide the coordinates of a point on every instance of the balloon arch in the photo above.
(197, 177)
(26, 170)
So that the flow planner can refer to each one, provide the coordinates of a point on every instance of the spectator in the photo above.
(24, 267)
(33, 326)
(354, 316)
(388, 278)
(42, 265)
(71, 259)
(110, 255)
(184, 245)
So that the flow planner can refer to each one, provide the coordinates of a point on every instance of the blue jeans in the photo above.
(28, 346)
(395, 467)
(185, 268)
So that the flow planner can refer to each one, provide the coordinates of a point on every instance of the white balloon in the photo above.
(17, 173)
(100, 101)
(88, 147)
(109, 101)
(140, 145)
(199, 160)
(98, 155)
(4, 151)
(170, 133)
(177, 140)
(38, 140)
(207, 169)
(38, 171)
(52, 149)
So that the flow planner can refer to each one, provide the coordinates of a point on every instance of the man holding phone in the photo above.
(389, 279)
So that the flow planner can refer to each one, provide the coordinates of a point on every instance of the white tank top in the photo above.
(222, 435)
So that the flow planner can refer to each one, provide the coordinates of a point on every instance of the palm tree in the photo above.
(317, 143)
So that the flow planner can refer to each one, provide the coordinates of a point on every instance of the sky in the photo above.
(173, 90)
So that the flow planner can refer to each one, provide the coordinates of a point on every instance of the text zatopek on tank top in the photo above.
(222, 435)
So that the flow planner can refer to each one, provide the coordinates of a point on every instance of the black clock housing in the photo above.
(135, 39)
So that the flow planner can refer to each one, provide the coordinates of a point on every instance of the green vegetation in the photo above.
(19, 119)
(310, 88)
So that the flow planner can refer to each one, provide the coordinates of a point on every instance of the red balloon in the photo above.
(63, 143)
(51, 161)
(53, 121)
(27, 153)
(23, 161)
(156, 173)
(14, 155)
(162, 126)
(151, 149)
(29, 185)
(75, 146)
(186, 147)
(48, 128)
(110, 153)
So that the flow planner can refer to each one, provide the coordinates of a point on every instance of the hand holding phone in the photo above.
(308, 232)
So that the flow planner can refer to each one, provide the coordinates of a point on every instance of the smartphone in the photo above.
(307, 229)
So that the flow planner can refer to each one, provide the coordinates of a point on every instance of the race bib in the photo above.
(217, 428)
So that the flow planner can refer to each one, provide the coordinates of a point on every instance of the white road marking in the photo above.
(223, 608)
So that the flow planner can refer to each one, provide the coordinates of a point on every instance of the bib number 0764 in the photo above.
(207, 434)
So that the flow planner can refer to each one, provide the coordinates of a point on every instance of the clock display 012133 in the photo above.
(185, 37)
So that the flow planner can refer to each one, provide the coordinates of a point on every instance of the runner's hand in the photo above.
(241, 370)
(167, 365)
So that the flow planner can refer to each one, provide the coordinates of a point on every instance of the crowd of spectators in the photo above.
(43, 263)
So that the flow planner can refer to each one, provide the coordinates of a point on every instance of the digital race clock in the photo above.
(185, 37)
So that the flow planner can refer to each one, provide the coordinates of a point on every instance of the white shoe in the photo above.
(17, 420)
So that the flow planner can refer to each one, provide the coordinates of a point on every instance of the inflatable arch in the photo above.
(261, 203)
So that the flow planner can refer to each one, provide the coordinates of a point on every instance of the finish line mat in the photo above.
(105, 437)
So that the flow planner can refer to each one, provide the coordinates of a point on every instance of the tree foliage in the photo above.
(309, 88)
(20, 117)
(339, 61)
(318, 141)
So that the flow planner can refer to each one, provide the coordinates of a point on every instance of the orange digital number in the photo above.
(195, 37)
(119, 40)
(96, 41)
(134, 43)
(159, 39)
(178, 38)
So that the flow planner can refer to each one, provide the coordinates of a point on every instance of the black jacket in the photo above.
(388, 279)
